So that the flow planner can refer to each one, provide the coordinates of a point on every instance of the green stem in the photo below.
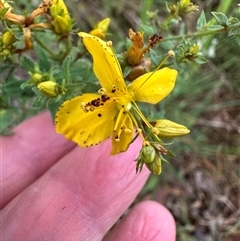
(58, 56)
(197, 34)
(147, 4)
(44, 46)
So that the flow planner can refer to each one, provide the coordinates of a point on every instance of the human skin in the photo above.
(52, 189)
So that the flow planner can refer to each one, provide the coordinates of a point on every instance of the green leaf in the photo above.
(66, 71)
(13, 88)
(28, 64)
(40, 101)
(214, 27)
(235, 30)
(6, 120)
(221, 18)
(127, 71)
(200, 60)
(201, 22)
(148, 30)
(44, 62)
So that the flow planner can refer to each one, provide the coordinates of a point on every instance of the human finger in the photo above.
(148, 220)
(28, 153)
(79, 198)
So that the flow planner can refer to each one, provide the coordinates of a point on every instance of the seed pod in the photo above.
(142, 68)
(8, 39)
(169, 128)
(148, 154)
(60, 24)
(49, 88)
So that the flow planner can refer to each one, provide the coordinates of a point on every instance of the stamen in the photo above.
(114, 88)
(146, 143)
(121, 126)
(93, 104)
(142, 116)
(155, 130)
(139, 130)
(127, 130)
(102, 91)
(171, 53)
(109, 43)
(87, 108)
(83, 105)
(118, 119)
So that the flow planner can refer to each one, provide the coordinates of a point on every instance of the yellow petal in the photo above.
(62, 5)
(105, 64)
(154, 86)
(125, 137)
(85, 128)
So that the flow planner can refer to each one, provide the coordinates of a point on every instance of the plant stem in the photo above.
(43, 46)
(196, 34)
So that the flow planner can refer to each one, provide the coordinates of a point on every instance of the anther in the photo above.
(139, 130)
(146, 143)
(127, 130)
(102, 91)
(155, 130)
(114, 89)
(83, 105)
(109, 43)
(171, 53)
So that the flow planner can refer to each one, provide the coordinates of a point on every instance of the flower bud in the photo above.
(148, 154)
(142, 68)
(185, 7)
(194, 49)
(37, 78)
(8, 39)
(169, 128)
(59, 8)
(155, 166)
(55, 10)
(49, 88)
(61, 25)
(5, 53)
(101, 28)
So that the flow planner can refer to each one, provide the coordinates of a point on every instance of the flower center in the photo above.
(90, 106)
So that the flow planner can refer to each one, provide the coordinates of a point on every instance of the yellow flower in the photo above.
(8, 38)
(91, 118)
(101, 28)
